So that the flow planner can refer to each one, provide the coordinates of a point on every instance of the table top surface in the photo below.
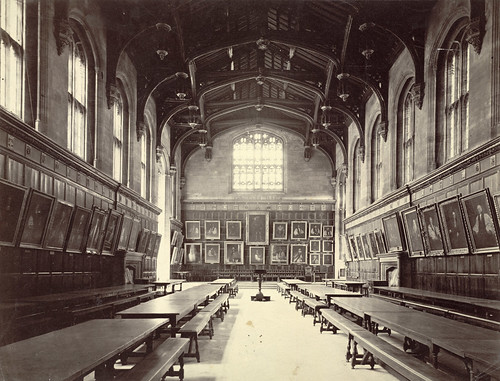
(323, 292)
(223, 281)
(160, 307)
(168, 281)
(65, 297)
(294, 281)
(489, 303)
(366, 306)
(71, 352)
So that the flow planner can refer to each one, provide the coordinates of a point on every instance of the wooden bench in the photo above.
(199, 325)
(218, 306)
(401, 362)
(233, 290)
(297, 298)
(160, 363)
(283, 289)
(312, 307)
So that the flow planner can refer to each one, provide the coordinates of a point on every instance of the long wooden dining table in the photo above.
(173, 306)
(472, 344)
(73, 352)
(321, 292)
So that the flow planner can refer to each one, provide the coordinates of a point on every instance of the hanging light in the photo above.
(193, 116)
(342, 90)
(315, 128)
(315, 140)
(326, 118)
(203, 140)
(180, 91)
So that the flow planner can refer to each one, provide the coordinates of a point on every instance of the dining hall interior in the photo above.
(221, 190)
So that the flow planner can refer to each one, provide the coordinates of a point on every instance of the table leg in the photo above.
(173, 323)
(435, 351)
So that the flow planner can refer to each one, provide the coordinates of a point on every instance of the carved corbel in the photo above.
(343, 170)
(417, 92)
(382, 130)
(333, 183)
(141, 130)
(113, 94)
(159, 152)
(182, 182)
(62, 29)
(172, 171)
(474, 33)
(361, 153)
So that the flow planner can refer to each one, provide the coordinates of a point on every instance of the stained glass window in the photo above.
(258, 162)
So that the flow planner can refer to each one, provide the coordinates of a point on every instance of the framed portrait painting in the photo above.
(124, 233)
(78, 230)
(193, 230)
(143, 240)
(412, 225)
(360, 248)
(233, 229)
(393, 233)
(454, 231)
(481, 221)
(212, 229)
(157, 245)
(314, 245)
(212, 253)
(174, 255)
(280, 230)
(151, 244)
(192, 253)
(257, 255)
(36, 218)
(299, 230)
(12, 202)
(327, 259)
(379, 236)
(315, 229)
(257, 229)
(233, 252)
(433, 236)
(59, 224)
(327, 231)
(279, 253)
(112, 228)
(298, 254)
(96, 232)
(134, 234)
(366, 246)
(346, 249)
(353, 247)
(315, 259)
(328, 246)
(372, 240)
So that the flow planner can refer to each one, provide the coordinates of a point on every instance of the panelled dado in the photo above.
(467, 274)
(31, 160)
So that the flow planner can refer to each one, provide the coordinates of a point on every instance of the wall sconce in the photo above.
(193, 116)
(342, 90)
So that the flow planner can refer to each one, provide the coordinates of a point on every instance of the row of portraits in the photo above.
(280, 254)
(32, 219)
(364, 246)
(455, 226)
(257, 230)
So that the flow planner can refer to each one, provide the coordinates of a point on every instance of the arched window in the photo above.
(12, 36)
(257, 162)
(118, 127)
(145, 165)
(376, 162)
(78, 79)
(405, 136)
(356, 178)
(457, 98)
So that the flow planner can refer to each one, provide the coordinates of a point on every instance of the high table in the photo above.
(73, 352)
(167, 282)
(173, 306)
(225, 282)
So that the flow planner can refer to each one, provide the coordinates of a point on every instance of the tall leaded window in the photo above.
(408, 138)
(356, 176)
(376, 163)
(118, 129)
(257, 162)
(12, 35)
(457, 98)
(144, 165)
(77, 97)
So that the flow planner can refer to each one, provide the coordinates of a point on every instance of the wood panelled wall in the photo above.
(29, 159)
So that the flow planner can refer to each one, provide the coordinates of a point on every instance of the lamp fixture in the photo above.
(193, 117)
(203, 140)
(162, 53)
(180, 92)
(260, 79)
(315, 128)
(326, 118)
(315, 140)
(259, 106)
(342, 91)
(262, 43)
